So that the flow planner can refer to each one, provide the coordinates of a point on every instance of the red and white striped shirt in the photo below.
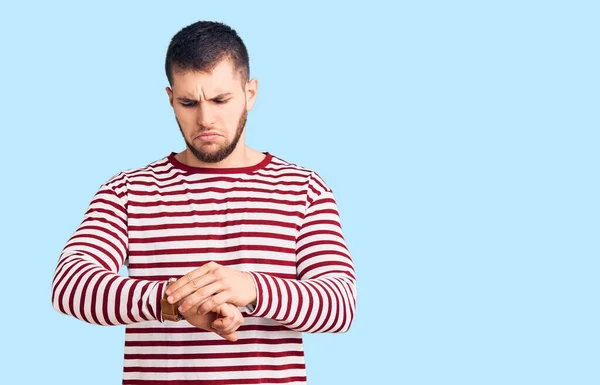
(277, 220)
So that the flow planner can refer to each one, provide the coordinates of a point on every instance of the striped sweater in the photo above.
(276, 220)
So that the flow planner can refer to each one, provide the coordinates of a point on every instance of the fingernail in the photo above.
(181, 309)
(171, 299)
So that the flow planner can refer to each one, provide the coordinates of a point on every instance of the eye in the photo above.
(221, 101)
(189, 104)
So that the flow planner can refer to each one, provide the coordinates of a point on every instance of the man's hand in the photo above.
(211, 286)
(223, 320)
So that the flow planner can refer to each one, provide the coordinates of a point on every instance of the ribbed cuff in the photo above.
(256, 309)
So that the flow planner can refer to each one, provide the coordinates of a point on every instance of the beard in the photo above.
(215, 156)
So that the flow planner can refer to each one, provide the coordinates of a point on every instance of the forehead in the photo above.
(222, 78)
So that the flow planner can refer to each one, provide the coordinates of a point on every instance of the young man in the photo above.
(232, 253)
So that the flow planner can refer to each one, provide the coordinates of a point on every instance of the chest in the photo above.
(172, 231)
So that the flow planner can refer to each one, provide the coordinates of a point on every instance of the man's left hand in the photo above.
(212, 285)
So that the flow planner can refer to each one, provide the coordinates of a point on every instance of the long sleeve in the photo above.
(323, 298)
(86, 282)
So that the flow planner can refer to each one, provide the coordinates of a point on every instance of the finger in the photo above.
(232, 320)
(203, 270)
(232, 329)
(224, 325)
(227, 310)
(200, 296)
(228, 327)
(193, 285)
(230, 337)
(241, 318)
(238, 316)
(224, 317)
(214, 301)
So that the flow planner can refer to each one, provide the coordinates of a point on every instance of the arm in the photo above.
(323, 299)
(86, 282)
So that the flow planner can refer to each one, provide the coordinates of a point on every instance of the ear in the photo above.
(170, 93)
(251, 90)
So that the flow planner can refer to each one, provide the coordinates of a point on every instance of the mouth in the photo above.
(208, 136)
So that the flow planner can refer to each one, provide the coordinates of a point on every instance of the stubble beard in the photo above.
(223, 151)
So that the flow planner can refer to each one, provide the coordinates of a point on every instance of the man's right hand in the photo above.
(224, 320)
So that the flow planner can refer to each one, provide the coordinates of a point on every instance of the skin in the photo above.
(210, 286)
(213, 102)
(223, 320)
(217, 102)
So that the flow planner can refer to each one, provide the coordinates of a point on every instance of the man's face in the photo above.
(211, 110)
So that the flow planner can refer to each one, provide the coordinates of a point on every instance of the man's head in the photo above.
(208, 70)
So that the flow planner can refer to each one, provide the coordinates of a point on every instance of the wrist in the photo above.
(252, 292)
(251, 300)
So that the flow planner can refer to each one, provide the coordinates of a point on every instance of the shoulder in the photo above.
(120, 181)
(314, 183)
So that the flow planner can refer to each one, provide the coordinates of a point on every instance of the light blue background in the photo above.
(460, 138)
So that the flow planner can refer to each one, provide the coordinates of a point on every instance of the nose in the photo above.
(205, 116)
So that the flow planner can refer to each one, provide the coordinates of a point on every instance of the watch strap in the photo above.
(168, 310)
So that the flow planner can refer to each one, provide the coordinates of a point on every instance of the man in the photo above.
(232, 253)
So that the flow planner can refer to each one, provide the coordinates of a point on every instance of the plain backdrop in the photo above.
(460, 138)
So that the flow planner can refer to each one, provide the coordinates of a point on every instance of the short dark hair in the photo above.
(204, 44)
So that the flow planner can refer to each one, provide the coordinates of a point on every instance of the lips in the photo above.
(208, 136)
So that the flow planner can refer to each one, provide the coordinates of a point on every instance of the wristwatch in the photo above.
(168, 310)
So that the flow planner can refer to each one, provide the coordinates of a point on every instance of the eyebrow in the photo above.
(188, 99)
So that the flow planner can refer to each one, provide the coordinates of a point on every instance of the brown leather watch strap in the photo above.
(168, 310)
